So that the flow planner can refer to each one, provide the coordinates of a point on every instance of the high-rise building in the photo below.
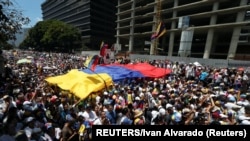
(95, 18)
(195, 28)
(19, 37)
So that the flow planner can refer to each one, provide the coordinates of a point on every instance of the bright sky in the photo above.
(31, 9)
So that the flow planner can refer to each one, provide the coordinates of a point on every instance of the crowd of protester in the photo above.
(32, 109)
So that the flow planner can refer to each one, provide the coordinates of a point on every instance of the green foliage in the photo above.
(7, 46)
(11, 21)
(53, 35)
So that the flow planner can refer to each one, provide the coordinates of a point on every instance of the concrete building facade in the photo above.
(220, 28)
(94, 18)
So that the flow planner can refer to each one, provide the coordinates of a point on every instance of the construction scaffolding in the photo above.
(154, 50)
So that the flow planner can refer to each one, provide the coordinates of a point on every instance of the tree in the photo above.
(35, 35)
(11, 21)
(52, 35)
(7, 46)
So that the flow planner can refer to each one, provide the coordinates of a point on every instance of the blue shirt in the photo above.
(111, 116)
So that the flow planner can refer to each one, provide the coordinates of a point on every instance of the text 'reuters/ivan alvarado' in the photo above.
(166, 132)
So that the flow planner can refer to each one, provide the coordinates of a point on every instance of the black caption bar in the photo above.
(162, 131)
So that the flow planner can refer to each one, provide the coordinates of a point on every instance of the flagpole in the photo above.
(106, 87)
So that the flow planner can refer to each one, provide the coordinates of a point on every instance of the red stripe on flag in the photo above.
(161, 30)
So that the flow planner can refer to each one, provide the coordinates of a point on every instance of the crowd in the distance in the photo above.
(32, 109)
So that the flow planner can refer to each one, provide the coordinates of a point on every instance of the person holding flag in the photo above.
(103, 48)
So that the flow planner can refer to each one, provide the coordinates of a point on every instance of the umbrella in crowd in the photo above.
(240, 69)
(29, 57)
(24, 61)
(49, 68)
(197, 64)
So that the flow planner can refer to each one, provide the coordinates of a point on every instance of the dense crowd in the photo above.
(32, 109)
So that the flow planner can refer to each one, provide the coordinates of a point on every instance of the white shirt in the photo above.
(29, 131)
(154, 115)
(97, 121)
(91, 116)
(244, 120)
(97, 99)
(245, 77)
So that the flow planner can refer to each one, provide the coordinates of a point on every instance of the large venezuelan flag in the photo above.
(116, 72)
(139, 70)
(81, 84)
